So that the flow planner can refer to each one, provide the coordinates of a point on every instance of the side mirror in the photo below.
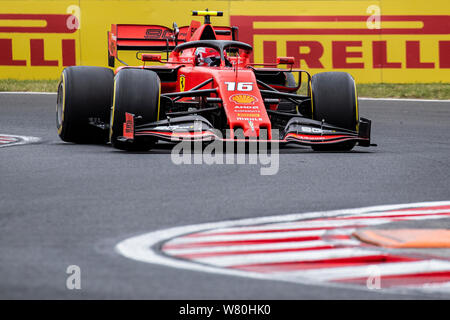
(285, 60)
(176, 31)
(151, 57)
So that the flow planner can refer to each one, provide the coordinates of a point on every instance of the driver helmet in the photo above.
(206, 56)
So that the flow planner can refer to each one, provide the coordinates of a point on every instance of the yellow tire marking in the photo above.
(63, 102)
(112, 111)
(357, 108)
(159, 101)
(312, 102)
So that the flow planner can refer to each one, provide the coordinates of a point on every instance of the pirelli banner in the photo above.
(376, 41)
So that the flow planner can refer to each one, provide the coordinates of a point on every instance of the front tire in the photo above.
(334, 100)
(137, 91)
(84, 96)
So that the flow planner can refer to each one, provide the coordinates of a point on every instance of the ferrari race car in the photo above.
(205, 88)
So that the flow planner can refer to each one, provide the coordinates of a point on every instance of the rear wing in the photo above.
(136, 37)
(141, 38)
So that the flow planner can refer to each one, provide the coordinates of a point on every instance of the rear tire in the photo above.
(84, 95)
(334, 100)
(290, 80)
(137, 91)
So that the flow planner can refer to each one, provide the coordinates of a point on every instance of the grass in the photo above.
(373, 90)
(439, 91)
(29, 85)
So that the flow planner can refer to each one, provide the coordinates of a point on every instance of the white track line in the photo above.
(247, 237)
(22, 140)
(283, 226)
(385, 269)
(432, 287)
(282, 257)
(441, 216)
(296, 224)
(257, 247)
(400, 213)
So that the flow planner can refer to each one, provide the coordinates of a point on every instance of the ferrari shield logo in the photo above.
(182, 82)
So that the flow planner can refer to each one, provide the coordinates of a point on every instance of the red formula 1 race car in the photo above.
(204, 89)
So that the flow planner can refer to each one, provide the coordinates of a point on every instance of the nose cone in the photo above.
(243, 103)
(252, 118)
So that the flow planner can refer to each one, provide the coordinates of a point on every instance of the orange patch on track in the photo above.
(406, 238)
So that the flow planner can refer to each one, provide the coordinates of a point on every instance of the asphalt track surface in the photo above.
(64, 204)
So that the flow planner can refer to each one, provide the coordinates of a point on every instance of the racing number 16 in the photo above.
(241, 86)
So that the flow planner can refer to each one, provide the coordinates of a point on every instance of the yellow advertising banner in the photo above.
(375, 41)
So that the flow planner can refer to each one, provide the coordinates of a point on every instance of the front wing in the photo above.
(298, 130)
